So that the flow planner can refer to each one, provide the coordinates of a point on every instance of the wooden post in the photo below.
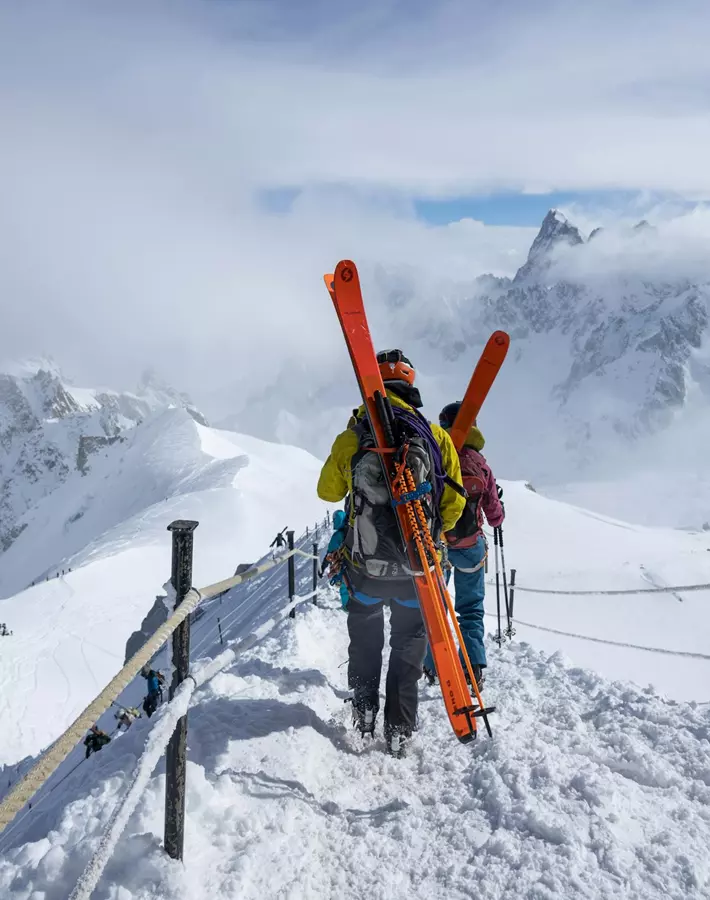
(176, 756)
(291, 573)
(315, 568)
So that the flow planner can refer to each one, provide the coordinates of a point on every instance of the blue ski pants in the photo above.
(470, 591)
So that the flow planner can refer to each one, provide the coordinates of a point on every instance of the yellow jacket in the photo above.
(335, 481)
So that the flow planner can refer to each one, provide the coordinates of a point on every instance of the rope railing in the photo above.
(45, 767)
(670, 589)
(689, 654)
(238, 613)
(158, 741)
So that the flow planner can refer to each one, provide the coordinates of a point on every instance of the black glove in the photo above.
(500, 491)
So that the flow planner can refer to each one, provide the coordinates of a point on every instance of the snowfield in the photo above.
(559, 547)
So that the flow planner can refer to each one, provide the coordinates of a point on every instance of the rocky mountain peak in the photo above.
(30, 366)
(554, 232)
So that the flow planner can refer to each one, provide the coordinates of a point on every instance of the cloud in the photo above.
(138, 138)
(668, 245)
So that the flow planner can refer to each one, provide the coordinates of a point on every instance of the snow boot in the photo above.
(364, 718)
(478, 675)
(397, 738)
(430, 675)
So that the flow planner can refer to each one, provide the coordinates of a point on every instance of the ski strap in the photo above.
(417, 494)
(455, 486)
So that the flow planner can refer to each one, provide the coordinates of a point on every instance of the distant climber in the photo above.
(4, 632)
(126, 716)
(279, 541)
(466, 544)
(95, 740)
(155, 681)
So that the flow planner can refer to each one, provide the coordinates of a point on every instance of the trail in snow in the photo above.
(589, 789)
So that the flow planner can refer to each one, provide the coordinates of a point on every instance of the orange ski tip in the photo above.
(346, 271)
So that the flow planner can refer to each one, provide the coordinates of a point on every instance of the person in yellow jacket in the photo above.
(375, 566)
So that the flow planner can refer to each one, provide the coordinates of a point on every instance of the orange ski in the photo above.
(484, 375)
(344, 289)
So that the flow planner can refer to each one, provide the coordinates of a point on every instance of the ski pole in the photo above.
(499, 635)
(508, 612)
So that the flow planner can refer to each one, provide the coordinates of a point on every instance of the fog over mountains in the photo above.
(607, 374)
(608, 348)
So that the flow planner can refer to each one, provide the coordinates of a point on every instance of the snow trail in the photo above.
(589, 789)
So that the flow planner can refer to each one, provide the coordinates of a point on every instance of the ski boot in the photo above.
(364, 718)
(397, 738)
(478, 675)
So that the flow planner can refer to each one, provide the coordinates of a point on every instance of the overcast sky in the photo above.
(146, 148)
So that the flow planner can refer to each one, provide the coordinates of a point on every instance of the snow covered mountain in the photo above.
(609, 346)
(51, 432)
(627, 337)
(608, 341)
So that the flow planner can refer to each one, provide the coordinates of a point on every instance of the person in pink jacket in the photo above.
(467, 544)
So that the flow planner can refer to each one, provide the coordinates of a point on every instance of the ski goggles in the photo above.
(393, 356)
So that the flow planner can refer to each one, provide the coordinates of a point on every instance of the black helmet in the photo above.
(448, 414)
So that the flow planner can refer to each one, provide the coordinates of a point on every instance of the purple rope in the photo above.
(417, 424)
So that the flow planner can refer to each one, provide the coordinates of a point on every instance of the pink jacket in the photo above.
(479, 482)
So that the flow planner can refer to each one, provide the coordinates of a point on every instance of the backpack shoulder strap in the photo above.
(455, 486)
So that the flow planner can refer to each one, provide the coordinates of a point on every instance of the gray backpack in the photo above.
(373, 541)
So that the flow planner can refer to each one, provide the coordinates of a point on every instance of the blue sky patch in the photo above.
(515, 209)
(504, 208)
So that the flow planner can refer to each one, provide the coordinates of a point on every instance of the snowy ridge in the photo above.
(589, 789)
(70, 631)
(52, 434)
